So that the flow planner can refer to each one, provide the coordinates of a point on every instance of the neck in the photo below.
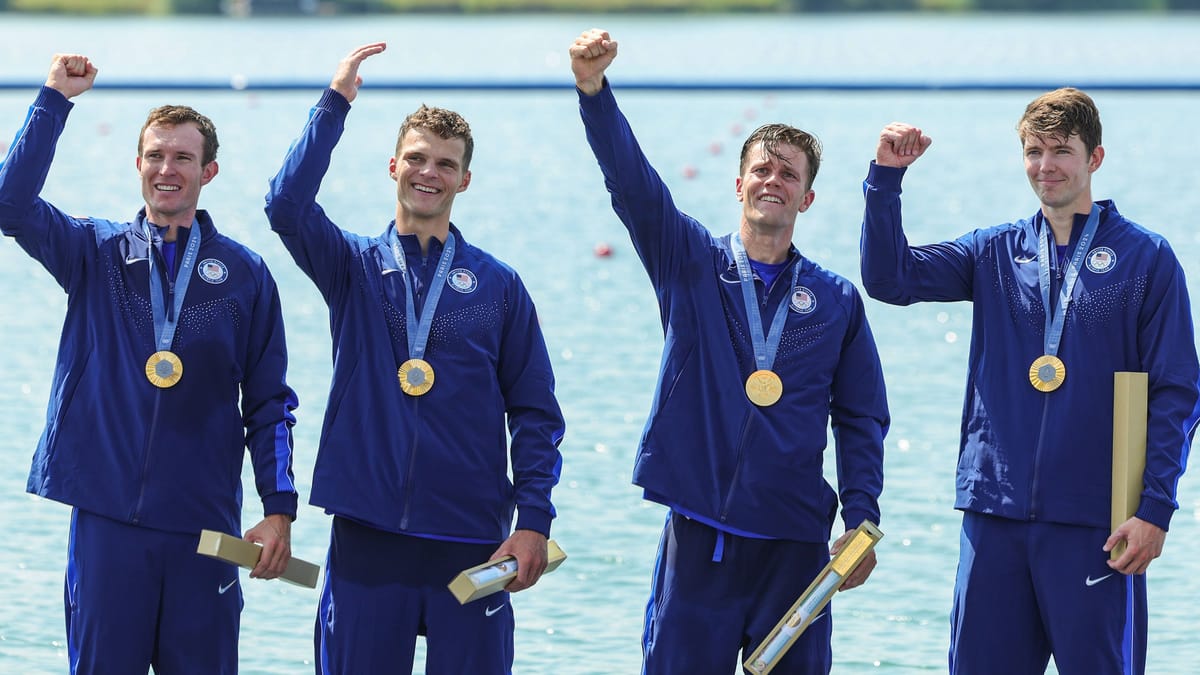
(766, 247)
(1061, 225)
(1062, 218)
(171, 230)
(424, 230)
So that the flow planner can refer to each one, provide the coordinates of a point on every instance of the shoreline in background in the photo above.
(321, 8)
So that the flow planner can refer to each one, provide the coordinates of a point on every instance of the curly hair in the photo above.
(444, 123)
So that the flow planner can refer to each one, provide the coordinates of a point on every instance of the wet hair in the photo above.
(773, 135)
(173, 116)
(1062, 113)
(444, 123)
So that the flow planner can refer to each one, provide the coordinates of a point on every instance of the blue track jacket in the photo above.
(432, 465)
(706, 448)
(1025, 454)
(114, 444)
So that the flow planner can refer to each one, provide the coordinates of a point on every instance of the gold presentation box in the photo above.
(807, 607)
(492, 576)
(246, 554)
(1130, 404)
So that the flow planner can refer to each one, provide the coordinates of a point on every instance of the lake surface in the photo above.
(537, 201)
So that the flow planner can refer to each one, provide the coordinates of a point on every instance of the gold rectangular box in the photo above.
(492, 576)
(1130, 405)
(246, 554)
(814, 598)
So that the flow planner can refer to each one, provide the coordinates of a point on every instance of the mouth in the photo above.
(425, 189)
(166, 188)
(771, 199)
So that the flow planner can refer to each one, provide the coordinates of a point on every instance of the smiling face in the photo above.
(1060, 136)
(429, 172)
(1060, 171)
(774, 186)
(172, 169)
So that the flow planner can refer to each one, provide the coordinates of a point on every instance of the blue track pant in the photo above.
(1026, 590)
(382, 590)
(137, 598)
(706, 617)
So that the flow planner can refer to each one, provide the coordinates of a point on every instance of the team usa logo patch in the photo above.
(462, 280)
(213, 271)
(803, 300)
(1101, 259)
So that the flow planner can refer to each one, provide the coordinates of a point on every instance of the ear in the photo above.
(138, 163)
(465, 181)
(1096, 159)
(807, 201)
(392, 168)
(209, 172)
(737, 187)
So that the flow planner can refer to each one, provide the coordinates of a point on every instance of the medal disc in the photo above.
(1047, 373)
(763, 388)
(164, 369)
(416, 377)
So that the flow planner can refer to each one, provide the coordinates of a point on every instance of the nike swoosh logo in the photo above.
(221, 589)
(1092, 582)
(388, 270)
(1022, 259)
(492, 610)
(129, 260)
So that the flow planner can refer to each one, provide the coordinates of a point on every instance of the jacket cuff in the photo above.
(53, 100)
(534, 519)
(1156, 513)
(283, 503)
(854, 518)
(885, 177)
(601, 100)
(332, 101)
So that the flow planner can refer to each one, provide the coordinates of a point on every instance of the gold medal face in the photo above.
(763, 388)
(1047, 373)
(164, 369)
(416, 377)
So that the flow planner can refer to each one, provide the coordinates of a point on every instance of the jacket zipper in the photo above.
(412, 455)
(741, 448)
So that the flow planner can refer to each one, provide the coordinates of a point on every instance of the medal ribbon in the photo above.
(1056, 319)
(418, 332)
(764, 347)
(164, 324)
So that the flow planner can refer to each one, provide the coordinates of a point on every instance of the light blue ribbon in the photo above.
(418, 332)
(164, 324)
(1056, 318)
(764, 347)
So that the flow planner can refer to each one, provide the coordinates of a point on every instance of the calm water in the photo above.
(537, 201)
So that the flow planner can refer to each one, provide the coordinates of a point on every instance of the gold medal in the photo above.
(1047, 373)
(416, 377)
(763, 388)
(164, 369)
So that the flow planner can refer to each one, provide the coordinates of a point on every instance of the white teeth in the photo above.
(773, 200)
(166, 188)
(423, 188)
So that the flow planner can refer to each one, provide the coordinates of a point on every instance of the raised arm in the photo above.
(314, 241)
(591, 55)
(56, 240)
